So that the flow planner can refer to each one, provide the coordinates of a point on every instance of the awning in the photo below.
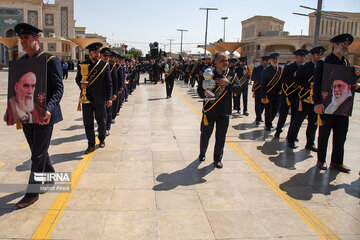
(228, 46)
(9, 42)
(83, 42)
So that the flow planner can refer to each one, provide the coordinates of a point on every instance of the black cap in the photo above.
(318, 49)
(105, 50)
(233, 60)
(274, 55)
(342, 38)
(94, 46)
(24, 28)
(113, 54)
(264, 58)
(242, 59)
(301, 52)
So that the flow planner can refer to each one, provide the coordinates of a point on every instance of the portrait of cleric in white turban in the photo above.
(337, 89)
(26, 91)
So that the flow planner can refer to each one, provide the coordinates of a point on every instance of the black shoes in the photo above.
(107, 132)
(277, 134)
(27, 201)
(201, 158)
(311, 148)
(218, 164)
(90, 149)
(268, 129)
(291, 145)
(102, 144)
(113, 121)
(257, 123)
(246, 113)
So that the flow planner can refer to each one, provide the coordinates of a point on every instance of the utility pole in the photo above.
(181, 30)
(224, 18)
(170, 43)
(207, 14)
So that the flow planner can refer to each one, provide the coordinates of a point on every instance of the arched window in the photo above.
(352, 28)
(335, 23)
(356, 28)
(331, 26)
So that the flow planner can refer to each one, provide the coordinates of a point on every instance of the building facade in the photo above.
(55, 19)
(263, 35)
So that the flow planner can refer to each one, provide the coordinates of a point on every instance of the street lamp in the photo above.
(224, 18)
(207, 13)
(181, 30)
(170, 43)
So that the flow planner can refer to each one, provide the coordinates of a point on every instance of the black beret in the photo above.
(105, 50)
(94, 46)
(265, 58)
(113, 54)
(24, 28)
(233, 60)
(318, 49)
(342, 38)
(301, 52)
(274, 55)
(242, 59)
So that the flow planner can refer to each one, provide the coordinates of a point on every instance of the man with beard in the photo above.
(38, 135)
(342, 98)
(327, 122)
(217, 111)
(98, 92)
(21, 107)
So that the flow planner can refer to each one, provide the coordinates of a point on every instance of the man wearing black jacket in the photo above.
(304, 78)
(38, 135)
(338, 124)
(98, 92)
(217, 111)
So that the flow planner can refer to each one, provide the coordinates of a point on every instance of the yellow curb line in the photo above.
(308, 217)
(47, 225)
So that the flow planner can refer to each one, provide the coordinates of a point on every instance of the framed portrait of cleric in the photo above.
(337, 89)
(27, 91)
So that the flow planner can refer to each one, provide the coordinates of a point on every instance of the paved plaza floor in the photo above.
(147, 184)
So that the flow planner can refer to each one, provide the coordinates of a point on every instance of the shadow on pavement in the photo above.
(74, 127)
(302, 186)
(5, 206)
(183, 177)
(73, 138)
(288, 158)
(56, 158)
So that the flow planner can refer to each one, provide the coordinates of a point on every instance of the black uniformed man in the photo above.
(217, 111)
(105, 56)
(256, 89)
(169, 77)
(114, 66)
(38, 136)
(243, 74)
(304, 78)
(338, 124)
(289, 93)
(270, 90)
(98, 92)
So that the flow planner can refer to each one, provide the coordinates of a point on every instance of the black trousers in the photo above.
(271, 109)
(88, 118)
(244, 93)
(169, 86)
(222, 124)
(259, 106)
(339, 125)
(284, 110)
(236, 100)
(109, 114)
(38, 138)
(115, 106)
(307, 111)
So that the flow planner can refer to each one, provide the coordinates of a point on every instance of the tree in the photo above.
(135, 52)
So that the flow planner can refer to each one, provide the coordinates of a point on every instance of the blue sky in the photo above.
(139, 22)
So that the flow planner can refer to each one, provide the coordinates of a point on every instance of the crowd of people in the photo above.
(106, 80)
